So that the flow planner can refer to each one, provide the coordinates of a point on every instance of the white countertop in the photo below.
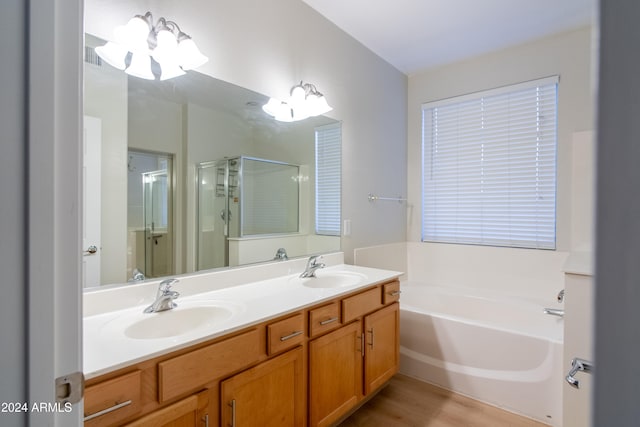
(106, 348)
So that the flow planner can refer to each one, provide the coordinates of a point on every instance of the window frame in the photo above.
(454, 236)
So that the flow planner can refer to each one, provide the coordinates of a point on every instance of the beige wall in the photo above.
(567, 55)
(270, 46)
(110, 88)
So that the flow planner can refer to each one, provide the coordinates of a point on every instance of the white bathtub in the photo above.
(503, 351)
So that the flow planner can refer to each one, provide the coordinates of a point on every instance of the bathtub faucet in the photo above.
(578, 364)
(554, 312)
(312, 266)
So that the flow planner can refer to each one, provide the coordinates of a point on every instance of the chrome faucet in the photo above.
(556, 311)
(137, 276)
(312, 266)
(578, 364)
(281, 255)
(164, 297)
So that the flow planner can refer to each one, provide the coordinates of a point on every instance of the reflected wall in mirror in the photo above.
(192, 120)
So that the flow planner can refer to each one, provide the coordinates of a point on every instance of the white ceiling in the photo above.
(414, 35)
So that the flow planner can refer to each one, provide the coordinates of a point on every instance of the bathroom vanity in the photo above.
(298, 352)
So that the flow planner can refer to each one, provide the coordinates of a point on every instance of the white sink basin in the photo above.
(331, 279)
(188, 318)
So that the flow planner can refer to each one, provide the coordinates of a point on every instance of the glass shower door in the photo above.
(216, 185)
(157, 223)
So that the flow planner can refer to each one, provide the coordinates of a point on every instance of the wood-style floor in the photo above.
(408, 402)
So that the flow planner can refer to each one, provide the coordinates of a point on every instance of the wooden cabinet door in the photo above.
(335, 374)
(382, 346)
(270, 394)
(189, 412)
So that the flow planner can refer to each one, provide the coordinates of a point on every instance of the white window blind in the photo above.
(328, 179)
(489, 167)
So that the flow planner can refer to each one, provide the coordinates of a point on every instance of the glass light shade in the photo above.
(300, 113)
(280, 111)
(272, 107)
(169, 69)
(113, 54)
(166, 47)
(140, 66)
(317, 105)
(136, 34)
(189, 56)
(297, 96)
(285, 112)
(286, 115)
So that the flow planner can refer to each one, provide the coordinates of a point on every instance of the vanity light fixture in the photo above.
(304, 101)
(150, 51)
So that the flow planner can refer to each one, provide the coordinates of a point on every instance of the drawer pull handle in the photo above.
(106, 411)
(205, 420)
(291, 335)
(371, 343)
(326, 322)
(395, 293)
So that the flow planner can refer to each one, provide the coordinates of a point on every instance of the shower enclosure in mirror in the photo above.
(150, 215)
(241, 201)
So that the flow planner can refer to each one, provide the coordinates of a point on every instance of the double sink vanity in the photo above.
(256, 346)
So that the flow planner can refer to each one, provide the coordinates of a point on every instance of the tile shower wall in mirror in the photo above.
(192, 120)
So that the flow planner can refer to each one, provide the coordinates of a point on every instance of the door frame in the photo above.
(55, 34)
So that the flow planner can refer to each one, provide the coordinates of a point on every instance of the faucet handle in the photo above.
(165, 286)
(561, 296)
(281, 254)
(313, 261)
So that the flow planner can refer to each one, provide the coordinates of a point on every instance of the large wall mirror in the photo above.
(190, 174)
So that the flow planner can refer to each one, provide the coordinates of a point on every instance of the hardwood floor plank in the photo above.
(407, 402)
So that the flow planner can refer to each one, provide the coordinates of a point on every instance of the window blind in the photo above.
(489, 167)
(328, 179)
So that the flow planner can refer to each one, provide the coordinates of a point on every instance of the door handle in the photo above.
(90, 250)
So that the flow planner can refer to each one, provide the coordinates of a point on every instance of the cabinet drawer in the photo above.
(113, 400)
(324, 319)
(285, 334)
(391, 292)
(191, 371)
(191, 411)
(361, 304)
